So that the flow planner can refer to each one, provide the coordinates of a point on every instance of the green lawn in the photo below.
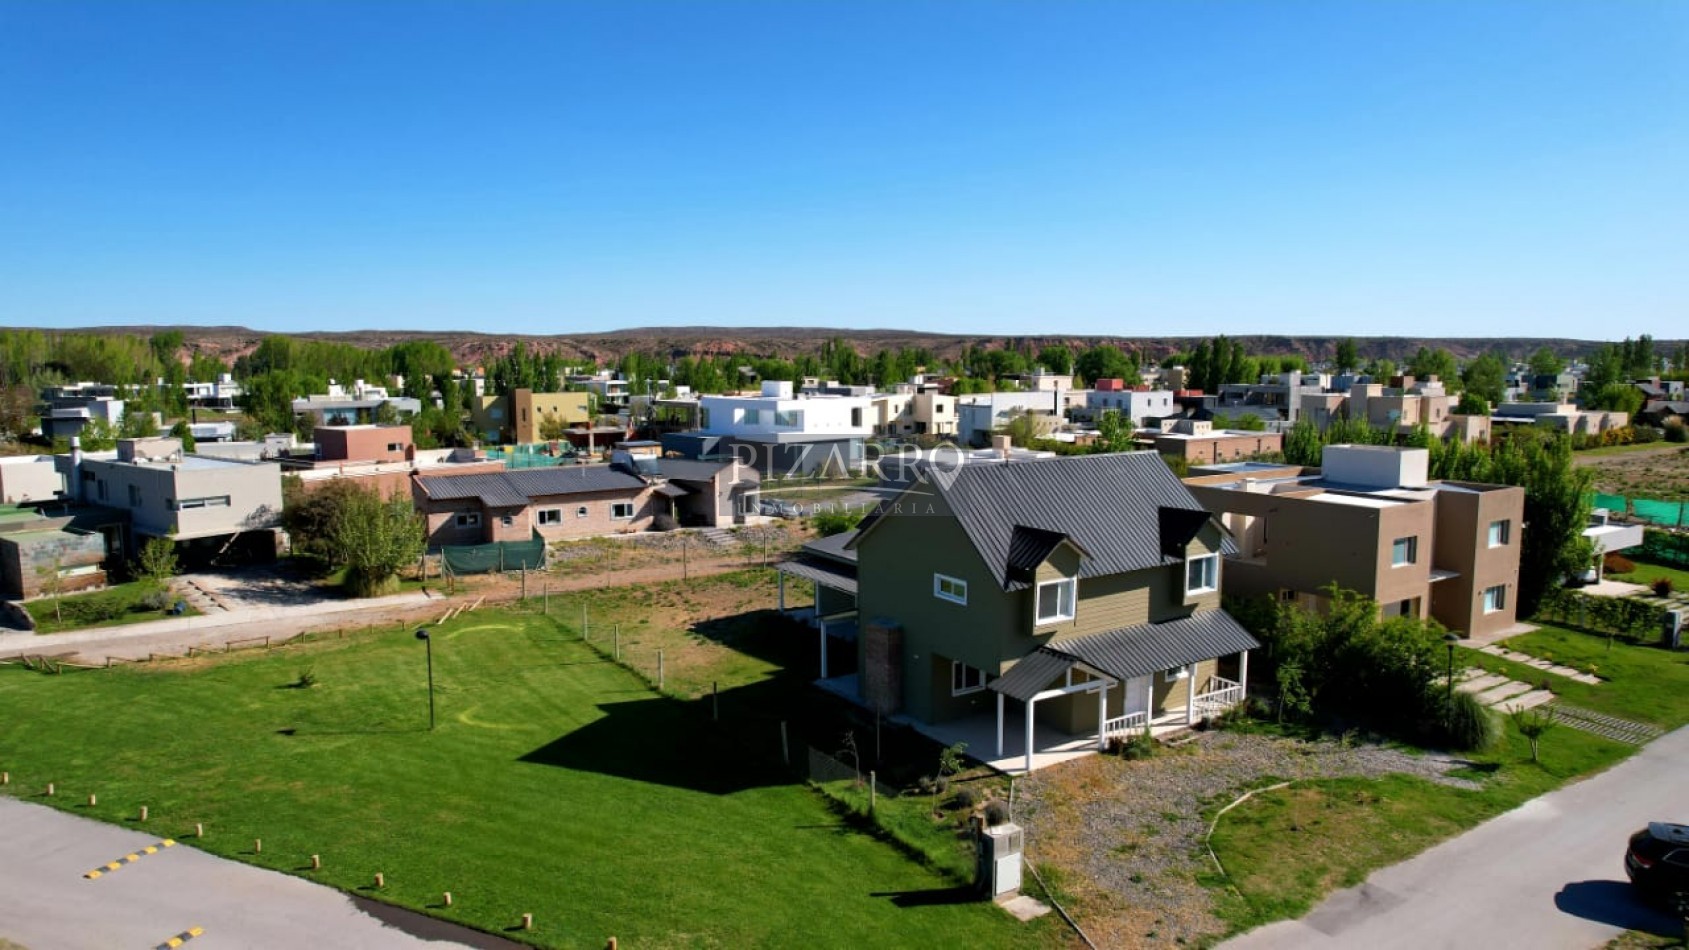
(1646, 573)
(1644, 683)
(1287, 849)
(116, 605)
(556, 783)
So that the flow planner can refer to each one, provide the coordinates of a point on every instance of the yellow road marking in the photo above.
(181, 938)
(127, 859)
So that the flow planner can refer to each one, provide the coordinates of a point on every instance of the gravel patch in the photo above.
(1128, 837)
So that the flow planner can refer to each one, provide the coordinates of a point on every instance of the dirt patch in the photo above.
(1661, 472)
(1127, 838)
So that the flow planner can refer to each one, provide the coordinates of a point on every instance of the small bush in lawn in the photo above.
(1470, 725)
(1140, 746)
(996, 813)
(1662, 587)
(1617, 564)
(966, 799)
(307, 678)
(1675, 431)
(663, 523)
(155, 599)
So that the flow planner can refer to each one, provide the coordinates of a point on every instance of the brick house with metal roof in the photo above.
(574, 501)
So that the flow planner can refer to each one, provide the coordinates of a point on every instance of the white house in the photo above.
(779, 433)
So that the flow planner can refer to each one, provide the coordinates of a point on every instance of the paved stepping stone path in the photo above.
(1541, 664)
(1601, 724)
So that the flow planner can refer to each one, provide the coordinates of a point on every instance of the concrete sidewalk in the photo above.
(47, 904)
(176, 634)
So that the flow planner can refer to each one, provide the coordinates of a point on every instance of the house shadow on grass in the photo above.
(675, 742)
(932, 896)
(1615, 903)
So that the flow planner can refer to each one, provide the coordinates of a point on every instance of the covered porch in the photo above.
(1159, 678)
(833, 610)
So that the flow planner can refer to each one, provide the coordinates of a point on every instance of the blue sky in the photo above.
(1142, 168)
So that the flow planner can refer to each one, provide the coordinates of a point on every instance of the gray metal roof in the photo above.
(1129, 651)
(833, 546)
(516, 489)
(1030, 547)
(1031, 675)
(1109, 505)
(826, 573)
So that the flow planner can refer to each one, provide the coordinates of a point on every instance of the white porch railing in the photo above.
(1219, 695)
(1121, 727)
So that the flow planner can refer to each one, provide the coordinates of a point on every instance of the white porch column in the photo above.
(1029, 735)
(999, 725)
(823, 625)
(1149, 701)
(1242, 675)
(1102, 715)
(1190, 696)
(782, 575)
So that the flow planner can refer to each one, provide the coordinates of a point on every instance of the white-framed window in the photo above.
(621, 510)
(1176, 674)
(581, 512)
(953, 589)
(1202, 574)
(1404, 551)
(509, 521)
(1500, 532)
(469, 519)
(1495, 598)
(965, 679)
(395, 446)
(1056, 600)
(550, 516)
(215, 501)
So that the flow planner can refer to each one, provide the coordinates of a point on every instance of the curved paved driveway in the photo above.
(1548, 874)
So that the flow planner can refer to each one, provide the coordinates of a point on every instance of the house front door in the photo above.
(1137, 694)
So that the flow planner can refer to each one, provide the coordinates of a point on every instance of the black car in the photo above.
(1658, 860)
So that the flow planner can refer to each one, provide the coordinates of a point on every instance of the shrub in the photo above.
(1646, 434)
(1468, 726)
(996, 813)
(155, 599)
(663, 522)
(966, 799)
(1675, 431)
(307, 678)
(1662, 587)
(1616, 563)
(1140, 746)
(833, 522)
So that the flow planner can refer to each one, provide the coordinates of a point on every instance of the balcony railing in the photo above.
(1218, 695)
(1121, 727)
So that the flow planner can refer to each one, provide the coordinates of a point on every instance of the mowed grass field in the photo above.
(556, 784)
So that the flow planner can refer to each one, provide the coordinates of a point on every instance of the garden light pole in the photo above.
(1448, 709)
(428, 642)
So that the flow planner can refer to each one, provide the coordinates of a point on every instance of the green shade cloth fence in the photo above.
(531, 456)
(497, 556)
(1668, 513)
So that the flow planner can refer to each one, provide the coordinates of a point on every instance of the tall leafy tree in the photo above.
(1056, 359)
(1544, 362)
(1347, 356)
(1486, 378)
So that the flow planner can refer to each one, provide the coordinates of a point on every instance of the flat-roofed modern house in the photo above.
(1197, 441)
(209, 506)
(778, 433)
(518, 417)
(25, 478)
(1372, 522)
(1036, 608)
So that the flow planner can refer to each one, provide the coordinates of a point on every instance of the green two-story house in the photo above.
(1081, 594)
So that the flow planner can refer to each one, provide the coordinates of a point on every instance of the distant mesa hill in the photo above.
(786, 342)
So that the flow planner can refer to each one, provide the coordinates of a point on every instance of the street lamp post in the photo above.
(428, 642)
(1448, 709)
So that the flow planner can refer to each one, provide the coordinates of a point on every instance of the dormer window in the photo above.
(1056, 600)
(1202, 574)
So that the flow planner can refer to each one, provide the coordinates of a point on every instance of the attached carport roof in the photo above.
(1129, 651)
(832, 574)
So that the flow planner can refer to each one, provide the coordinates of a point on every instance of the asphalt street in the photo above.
(47, 904)
(1549, 874)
